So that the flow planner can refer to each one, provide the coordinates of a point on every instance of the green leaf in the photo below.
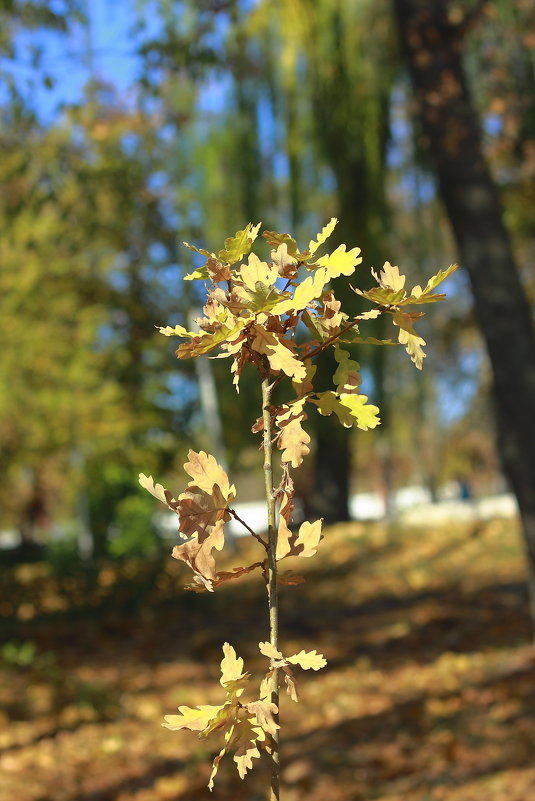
(350, 408)
(275, 240)
(237, 246)
(424, 296)
(207, 342)
(199, 250)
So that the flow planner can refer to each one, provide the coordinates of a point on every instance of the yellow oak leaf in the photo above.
(308, 539)
(159, 492)
(390, 277)
(310, 660)
(244, 738)
(285, 264)
(176, 331)
(419, 295)
(279, 356)
(257, 271)
(194, 719)
(293, 440)
(231, 665)
(322, 237)
(307, 291)
(340, 261)
(349, 408)
(291, 684)
(269, 650)
(407, 336)
(237, 246)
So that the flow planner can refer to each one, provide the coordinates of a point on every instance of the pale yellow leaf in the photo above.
(231, 665)
(322, 237)
(308, 538)
(308, 660)
(390, 277)
(159, 492)
(257, 271)
(269, 650)
(280, 357)
(340, 262)
(194, 719)
(176, 331)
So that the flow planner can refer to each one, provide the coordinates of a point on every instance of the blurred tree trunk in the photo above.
(433, 48)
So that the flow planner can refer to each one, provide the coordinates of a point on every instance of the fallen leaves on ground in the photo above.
(428, 694)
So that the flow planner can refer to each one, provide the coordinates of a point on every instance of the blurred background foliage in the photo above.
(126, 129)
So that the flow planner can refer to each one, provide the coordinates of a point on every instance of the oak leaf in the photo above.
(310, 660)
(340, 261)
(159, 492)
(279, 355)
(307, 291)
(237, 246)
(322, 237)
(407, 336)
(195, 719)
(264, 712)
(349, 408)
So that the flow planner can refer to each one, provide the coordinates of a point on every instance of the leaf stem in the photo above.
(272, 588)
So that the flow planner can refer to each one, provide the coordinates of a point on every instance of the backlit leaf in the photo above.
(307, 291)
(275, 240)
(159, 492)
(340, 261)
(269, 650)
(231, 665)
(237, 246)
(310, 660)
(194, 719)
(407, 336)
(176, 331)
(322, 237)
(279, 356)
(349, 408)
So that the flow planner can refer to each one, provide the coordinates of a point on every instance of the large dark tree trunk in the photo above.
(433, 48)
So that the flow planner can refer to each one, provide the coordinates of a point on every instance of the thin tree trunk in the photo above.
(272, 587)
(433, 48)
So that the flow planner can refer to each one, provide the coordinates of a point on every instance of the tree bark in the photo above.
(433, 49)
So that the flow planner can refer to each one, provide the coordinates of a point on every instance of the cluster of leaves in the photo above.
(245, 724)
(253, 313)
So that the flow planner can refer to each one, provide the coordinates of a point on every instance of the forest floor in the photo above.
(429, 692)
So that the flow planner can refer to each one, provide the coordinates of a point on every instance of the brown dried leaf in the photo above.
(203, 514)
(206, 472)
(264, 711)
(199, 557)
(291, 684)
(278, 353)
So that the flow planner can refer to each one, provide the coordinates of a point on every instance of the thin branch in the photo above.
(249, 529)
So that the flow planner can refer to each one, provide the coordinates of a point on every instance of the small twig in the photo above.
(249, 529)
